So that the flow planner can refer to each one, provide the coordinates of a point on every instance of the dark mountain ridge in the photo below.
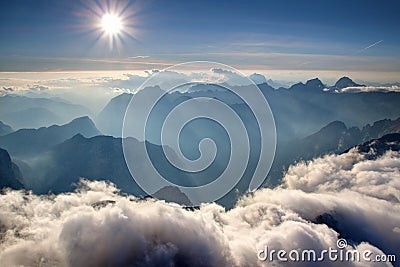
(10, 176)
(346, 82)
(30, 142)
(333, 138)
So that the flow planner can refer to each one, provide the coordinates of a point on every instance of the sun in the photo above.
(111, 24)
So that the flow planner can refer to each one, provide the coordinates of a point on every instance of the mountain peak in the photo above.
(82, 121)
(311, 85)
(315, 83)
(258, 78)
(34, 141)
(84, 125)
(345, 82)
(173, 194)
(122, 98)
(335, 125)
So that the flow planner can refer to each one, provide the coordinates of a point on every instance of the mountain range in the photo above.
(336, 138)
(29, 112)
(332, 138)
(30, 142)
(343, 83)
(298, 110)
(61, 165)
(311, 120)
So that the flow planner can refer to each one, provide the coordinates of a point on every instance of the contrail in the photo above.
(374, 44)
(368, 47)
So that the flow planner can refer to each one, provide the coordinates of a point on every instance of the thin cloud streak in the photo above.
(371, 45)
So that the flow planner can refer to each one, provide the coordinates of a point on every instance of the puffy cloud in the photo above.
(165, 79)
(97, 226)
(354, 216)
(168, 79)
(230, 77)
(128, 83)
(4, 90)
(38, 87)
(354, 196)
(378, 178)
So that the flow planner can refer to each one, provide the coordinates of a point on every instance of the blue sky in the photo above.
(40, 35)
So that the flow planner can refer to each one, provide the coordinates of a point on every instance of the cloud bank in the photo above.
(358, 89)
(347, 196)
(378, 178)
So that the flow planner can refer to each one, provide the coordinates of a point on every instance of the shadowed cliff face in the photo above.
(10, 175)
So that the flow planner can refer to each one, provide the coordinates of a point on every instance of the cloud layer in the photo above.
(378, 178)
(346, 196)
(358, 89)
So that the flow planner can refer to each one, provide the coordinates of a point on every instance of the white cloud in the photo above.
(230, 77)
(378, 178)
(38, 87)
(72, 230)
(96, 226)
(25, 88)
(357, 89)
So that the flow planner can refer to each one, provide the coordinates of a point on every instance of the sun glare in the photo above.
(111, 24)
